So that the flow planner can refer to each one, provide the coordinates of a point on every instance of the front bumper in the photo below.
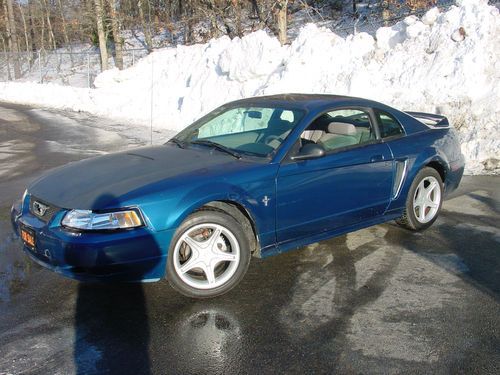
(128, 255)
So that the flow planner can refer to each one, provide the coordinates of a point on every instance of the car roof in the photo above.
(304, 101)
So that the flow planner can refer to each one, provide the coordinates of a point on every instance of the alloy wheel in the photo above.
(206, 256)
(427, 199)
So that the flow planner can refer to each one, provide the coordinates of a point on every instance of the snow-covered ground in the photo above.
(443, 63)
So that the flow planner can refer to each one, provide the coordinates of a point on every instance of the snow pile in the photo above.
(444, 63)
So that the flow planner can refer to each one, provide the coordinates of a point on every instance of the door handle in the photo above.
(376, 158)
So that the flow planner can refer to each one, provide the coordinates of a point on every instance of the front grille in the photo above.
(38, 206)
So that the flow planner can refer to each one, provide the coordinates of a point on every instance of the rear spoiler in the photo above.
(430, 119)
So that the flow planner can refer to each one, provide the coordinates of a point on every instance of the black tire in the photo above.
(408, 219)
(209, 217)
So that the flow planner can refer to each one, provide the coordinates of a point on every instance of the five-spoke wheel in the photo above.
(206, 256)
(427, 199)
(424, 200)
(210, 254)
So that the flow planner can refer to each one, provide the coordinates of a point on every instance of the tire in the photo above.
(208, 255)
(422, 210)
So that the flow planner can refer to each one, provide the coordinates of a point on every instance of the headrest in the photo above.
(341, 128)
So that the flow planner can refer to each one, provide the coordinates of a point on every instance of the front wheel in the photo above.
(208, 256)
(424, 200)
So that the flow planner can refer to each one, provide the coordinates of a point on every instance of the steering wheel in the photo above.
(271, 138)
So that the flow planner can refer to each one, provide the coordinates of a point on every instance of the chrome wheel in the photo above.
(427, 199)
(206, 256)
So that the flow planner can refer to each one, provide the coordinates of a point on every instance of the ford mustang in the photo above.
(257, 176)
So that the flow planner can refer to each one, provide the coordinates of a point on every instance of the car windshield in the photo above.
(256, 131)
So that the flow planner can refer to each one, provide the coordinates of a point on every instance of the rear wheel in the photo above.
(208, 256)
(424, 200)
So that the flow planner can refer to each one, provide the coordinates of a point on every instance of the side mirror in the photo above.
(309, 151)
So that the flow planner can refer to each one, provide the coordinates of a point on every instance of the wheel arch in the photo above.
(234, 208)
(433, 158)
(439, 167)
(429, 157)
(241, 214)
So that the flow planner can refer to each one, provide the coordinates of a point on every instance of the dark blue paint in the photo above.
(327, 186)
(308, 200)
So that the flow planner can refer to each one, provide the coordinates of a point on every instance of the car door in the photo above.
(351, 183)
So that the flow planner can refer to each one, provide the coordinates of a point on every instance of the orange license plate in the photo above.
(28, 237)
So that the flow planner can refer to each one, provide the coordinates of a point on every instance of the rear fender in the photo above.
(426, 157)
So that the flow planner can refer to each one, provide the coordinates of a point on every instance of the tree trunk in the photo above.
(188, 21)
(32, 27)
(52, 38)
(26, 37)
(237, 12)
(256, 10)
(25, 25)
(65, 31)
(282, 21)
(145, 27)
(100, 33)
(115, 25)
(42, 37)
(7, 59)
(12, 35)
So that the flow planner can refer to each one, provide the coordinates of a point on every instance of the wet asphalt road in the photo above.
(380, 300)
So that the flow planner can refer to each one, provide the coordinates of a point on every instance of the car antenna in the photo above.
(151, 107)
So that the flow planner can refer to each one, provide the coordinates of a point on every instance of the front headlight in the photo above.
(88, 220)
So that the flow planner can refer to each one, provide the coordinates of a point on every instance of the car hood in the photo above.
(99, 182)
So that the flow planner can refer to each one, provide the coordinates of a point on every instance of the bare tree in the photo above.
(50, 30)
(115, 26)
(25, 26)
(237, 11)
(12, 37)
(145, 26)
(29, 5)
(282, 20)
(7, 59)
(63, 24)
(99, 15)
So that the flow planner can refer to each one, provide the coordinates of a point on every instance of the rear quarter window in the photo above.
(388, 125)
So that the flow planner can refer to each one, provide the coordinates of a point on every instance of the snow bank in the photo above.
(444, 63)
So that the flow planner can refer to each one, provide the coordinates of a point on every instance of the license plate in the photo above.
(28, 237)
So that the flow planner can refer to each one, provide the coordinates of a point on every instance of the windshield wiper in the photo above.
(217, 146)
(178, 142)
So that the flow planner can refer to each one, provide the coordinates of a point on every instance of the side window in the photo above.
(340, 128)
(389, 126)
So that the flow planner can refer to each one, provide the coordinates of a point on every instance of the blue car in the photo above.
(257, 176)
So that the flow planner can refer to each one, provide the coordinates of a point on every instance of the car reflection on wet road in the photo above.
(380, 300)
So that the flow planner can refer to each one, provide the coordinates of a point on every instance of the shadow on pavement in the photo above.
(111, 321)
(112, 330)
(464, 241)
